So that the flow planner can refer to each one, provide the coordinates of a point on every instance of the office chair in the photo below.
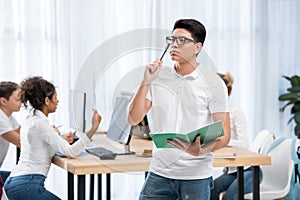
(262, 141)
(260, 145)
(277, 176)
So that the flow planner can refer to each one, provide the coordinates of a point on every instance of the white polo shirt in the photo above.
(6, 124)
(182, 104)
(39, 143)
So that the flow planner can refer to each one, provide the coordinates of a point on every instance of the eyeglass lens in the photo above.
(179, 40)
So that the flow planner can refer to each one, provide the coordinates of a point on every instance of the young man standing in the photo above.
(9, 127)
(181, 99)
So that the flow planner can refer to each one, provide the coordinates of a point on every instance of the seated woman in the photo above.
(227, 182)
(40, 141)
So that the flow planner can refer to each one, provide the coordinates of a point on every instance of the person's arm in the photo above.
(50, 136)
(140, 105)
(69, 137)
(13, 137)
(195, 148)
(224, 140)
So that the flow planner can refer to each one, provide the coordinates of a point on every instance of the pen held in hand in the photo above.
(164, 52)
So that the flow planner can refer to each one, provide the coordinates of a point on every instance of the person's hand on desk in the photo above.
(193, 149)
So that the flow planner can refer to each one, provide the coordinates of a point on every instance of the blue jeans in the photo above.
(4, 175)
(228, 183)
(27, 187)
(157, 188)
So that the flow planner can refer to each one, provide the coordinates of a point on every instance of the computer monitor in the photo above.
(119, 129)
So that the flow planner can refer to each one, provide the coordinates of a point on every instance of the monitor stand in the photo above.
(126, 151)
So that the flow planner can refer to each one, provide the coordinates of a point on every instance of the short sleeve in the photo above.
(8, 124)
(219, 96)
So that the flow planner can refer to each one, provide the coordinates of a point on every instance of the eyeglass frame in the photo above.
(176, 39)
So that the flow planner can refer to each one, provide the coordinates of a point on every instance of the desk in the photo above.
(131, 163)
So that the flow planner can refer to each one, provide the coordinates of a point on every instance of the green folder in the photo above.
(208, 133)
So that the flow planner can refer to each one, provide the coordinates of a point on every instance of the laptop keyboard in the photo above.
(99, 151)
(102, 153)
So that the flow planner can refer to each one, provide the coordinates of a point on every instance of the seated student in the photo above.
(9, 127)
(227, 182)
(40, 141)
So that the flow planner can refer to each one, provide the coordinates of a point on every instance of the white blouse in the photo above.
(238, 124)
(239, 134)
(39, 142)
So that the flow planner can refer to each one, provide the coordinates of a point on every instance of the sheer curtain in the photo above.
(255, 40)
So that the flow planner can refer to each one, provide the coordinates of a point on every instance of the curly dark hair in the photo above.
(35, 90)
(7, 88)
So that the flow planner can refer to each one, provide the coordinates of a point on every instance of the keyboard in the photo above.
(102, 153)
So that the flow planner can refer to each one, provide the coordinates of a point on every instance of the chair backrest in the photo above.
(279, 173)
(262, 141)
(277, 176)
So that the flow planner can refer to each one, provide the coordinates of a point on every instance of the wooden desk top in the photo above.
(243, 158)
(136, 163)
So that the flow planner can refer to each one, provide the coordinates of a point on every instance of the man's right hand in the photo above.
(151, 71)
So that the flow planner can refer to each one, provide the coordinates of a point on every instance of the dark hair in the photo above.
(7, 88)
(228, 80)
(196, 29)
(35, 90)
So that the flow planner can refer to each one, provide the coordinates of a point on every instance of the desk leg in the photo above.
(99, 187)
(92, 179)
(81, 187)
(255, 178)
(240, 179)
(108, 186)
(70, 186)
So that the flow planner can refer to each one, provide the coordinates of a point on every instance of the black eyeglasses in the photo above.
(181, 40)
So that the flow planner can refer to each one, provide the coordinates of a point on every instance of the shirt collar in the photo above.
(40, 114)
(193, 75)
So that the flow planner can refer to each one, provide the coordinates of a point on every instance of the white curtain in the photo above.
(80, 45)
